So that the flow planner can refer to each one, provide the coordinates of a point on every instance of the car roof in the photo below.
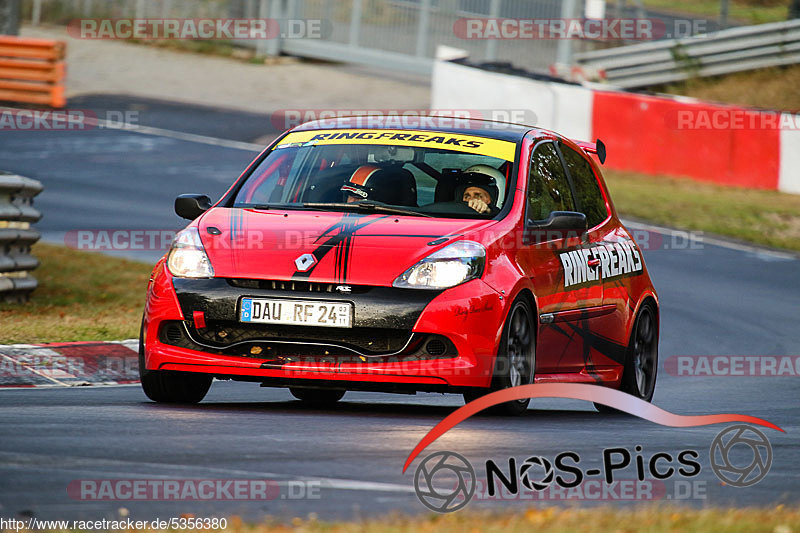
(504, 131)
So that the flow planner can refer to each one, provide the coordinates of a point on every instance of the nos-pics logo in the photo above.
(445, 482)
(740, 456)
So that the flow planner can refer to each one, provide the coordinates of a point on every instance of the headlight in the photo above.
(187, 257)
(450, 266)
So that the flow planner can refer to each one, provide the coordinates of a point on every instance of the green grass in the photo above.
(741, 11)
(645, 519)
(196, 46)
(768, 218)
(769, 88)
(81, 296)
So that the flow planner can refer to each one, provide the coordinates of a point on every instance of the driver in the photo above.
(478, 189)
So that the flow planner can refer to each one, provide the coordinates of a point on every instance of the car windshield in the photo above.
(421, 173)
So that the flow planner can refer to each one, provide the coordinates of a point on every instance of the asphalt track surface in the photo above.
(715, 300)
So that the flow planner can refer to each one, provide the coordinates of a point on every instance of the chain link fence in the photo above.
(9, 17)
(399, 34)
(402, 33)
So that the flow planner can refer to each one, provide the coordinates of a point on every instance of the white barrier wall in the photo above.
(566, 109)
(789, 179)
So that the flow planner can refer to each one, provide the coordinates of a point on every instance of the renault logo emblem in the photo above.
(305, 262)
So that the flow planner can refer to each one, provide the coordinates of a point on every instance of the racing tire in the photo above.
(641, 359)
(167, 386)
(317, 397)
(516, 359)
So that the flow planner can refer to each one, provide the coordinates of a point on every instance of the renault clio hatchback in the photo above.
(464, 259)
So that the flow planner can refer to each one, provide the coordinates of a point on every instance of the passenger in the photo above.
(478, 189)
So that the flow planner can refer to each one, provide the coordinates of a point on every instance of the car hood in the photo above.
(325, 247)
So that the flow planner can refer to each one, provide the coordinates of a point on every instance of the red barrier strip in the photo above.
(661, 136)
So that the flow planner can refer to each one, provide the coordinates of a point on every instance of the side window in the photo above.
(548, 188)
(590, 198)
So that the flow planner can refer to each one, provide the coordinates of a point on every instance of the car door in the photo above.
(568, 288)
(619, 260)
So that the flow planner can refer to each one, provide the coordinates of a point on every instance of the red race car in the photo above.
(451, 257)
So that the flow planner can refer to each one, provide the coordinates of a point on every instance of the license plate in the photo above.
(297, 312)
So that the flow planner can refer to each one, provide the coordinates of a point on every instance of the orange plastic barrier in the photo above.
(32, 71)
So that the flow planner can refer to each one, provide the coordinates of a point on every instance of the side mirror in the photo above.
(191, 206)
(559, 225)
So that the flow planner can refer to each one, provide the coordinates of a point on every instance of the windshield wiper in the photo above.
(365, 206)
(267, 207)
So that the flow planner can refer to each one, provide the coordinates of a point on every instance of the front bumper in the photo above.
(388, 348)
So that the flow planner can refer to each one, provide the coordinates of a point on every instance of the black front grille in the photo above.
(374, 307)
(324, 344)
(372, 340)
(297, 286)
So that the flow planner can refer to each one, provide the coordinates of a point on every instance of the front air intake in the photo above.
(435, 347)
(173, 333)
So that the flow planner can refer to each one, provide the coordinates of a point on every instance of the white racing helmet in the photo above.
(497, 176)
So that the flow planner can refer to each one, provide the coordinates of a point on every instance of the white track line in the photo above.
(81, 385)
(712, 240)
(15, 460)
(161, 132)
(179, 135)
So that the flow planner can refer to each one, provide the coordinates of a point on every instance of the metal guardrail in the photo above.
(726, 51)
(16, 236)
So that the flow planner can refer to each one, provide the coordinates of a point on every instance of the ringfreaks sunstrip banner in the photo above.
(425, 139)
